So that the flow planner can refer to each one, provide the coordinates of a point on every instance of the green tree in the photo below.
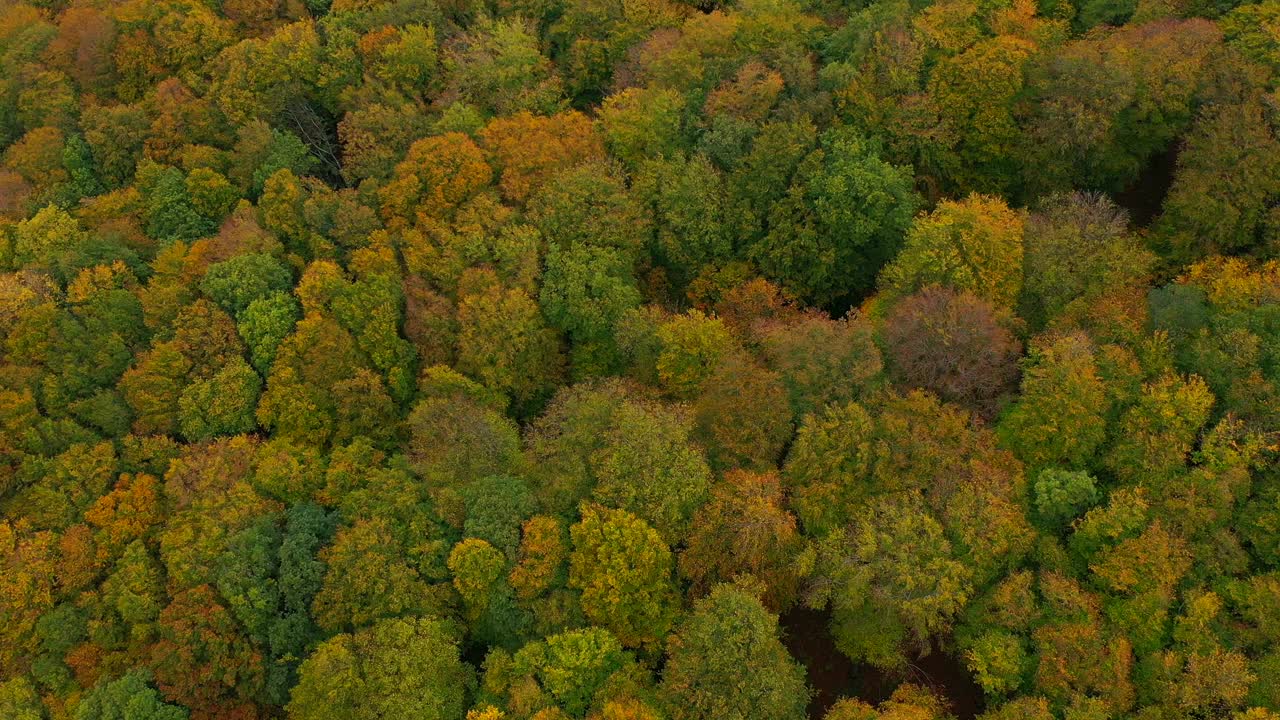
(623, 569)
(1155, 435)
(1061, 495)
(572, 667)
(19, 701)
(891, 581)
(692, 346)
(685, 197)
(642, 122)
(1077, 248)
(624, 452)
(726, 661)
(127, 697)
(974, 245)
(264, 324)
(585, 292)
(236, 283)
(222, 405)
(1061, 416)
(1226, 184)
(821, 361)
(504, 342)
(843, 218)
(398, 666)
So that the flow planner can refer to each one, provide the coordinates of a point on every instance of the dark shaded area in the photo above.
(832, 675)
(318, 130)
(1144, 198)
(840, 307)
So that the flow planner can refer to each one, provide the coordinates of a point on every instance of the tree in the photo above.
(476, 566)
(496, 508)
(1061, 416)
(263, 324)
(298, 402)
(1225, 185)
(264, 78)
(974, 245)
(585, 292)
(402, 665)
(201, 659)
(821, 361)
(1061, 495)
(127, 697)
(589, 205)
(528, 149)
(726, 661)
(236, 283)
(827, 466)
(437, 175)
(459, 437)
(409, 61)
(843, 218)
(500, 69)
(891, 582)
(571, 669)
(504, 342)
(638, 123)
(955, 345)
(628, 453)
(49, 241)
(745, 529)
(685, 198)
(1157, 432)
(974, 92)
(1076, 248)
(268, 575)
(623, 569)
(742, 414)
(170, 213)
(19, 701)
(908, 702)
(692, 346)
(222, 405)
(1106, 103)
(375, 136)
(372, 574)
(763, 175)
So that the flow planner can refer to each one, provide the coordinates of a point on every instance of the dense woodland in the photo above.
(547, 359)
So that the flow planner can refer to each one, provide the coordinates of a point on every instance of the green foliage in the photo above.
(264, 324)
(170, 213)
(726, 661)
(1062, 415)
(409, 665)
(222, 405)
(572, 667)
(624, 571)
(237, 283)
(891, 582)
(128, 697)
(973, 245)
(19, 701)
(1061, 495)
(623, 452)
(843, 217)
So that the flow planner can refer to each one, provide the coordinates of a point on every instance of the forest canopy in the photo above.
(639, 359)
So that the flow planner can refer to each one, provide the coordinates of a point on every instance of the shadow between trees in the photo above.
(832, 675)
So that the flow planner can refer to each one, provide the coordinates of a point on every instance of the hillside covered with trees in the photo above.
(639, 359)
